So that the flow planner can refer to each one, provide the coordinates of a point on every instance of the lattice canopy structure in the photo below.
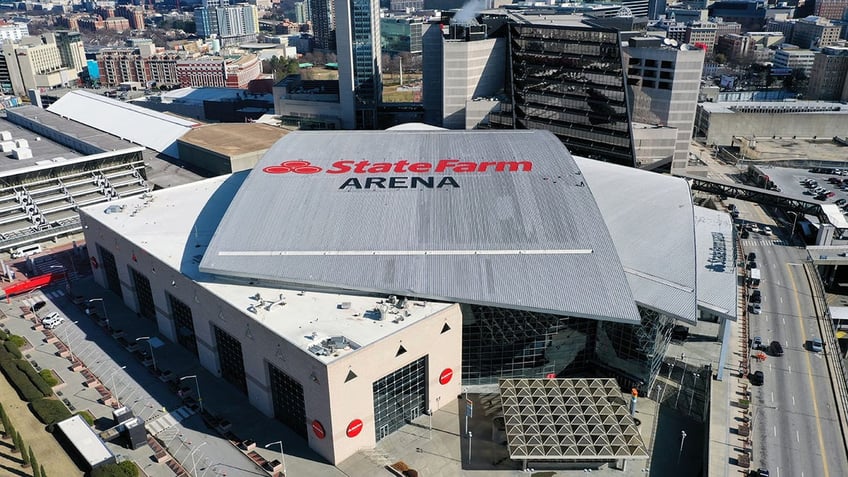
(568, 419)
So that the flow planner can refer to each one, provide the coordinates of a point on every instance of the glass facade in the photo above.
(287, 398)
(146, 306)
(400, 397)
(111, 270)
(184, 324)
(400, 35)
(570, 81)
(230, 359)
(367, 83)
(503, 343)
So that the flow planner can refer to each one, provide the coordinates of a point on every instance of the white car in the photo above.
(755, 308)
(767, 230)
(755, 229)
(52, 320)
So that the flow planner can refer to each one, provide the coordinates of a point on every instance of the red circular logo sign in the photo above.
(446, 376)
(354, 428)
(94, 262)
(298, 167)
(318, 429)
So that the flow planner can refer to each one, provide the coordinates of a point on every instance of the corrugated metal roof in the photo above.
(530, 239)
(716, 267)
(143, 126)
(650, 219)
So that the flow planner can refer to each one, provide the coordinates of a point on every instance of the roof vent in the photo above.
(345, 305)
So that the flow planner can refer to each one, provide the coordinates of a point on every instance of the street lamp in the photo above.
(152, 356)
(682, 440)
(282, 454)
(105, 313)
(193, 463)
(197, 384)
(114, 388)
(67, 340)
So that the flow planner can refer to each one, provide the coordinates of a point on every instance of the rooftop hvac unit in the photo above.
(25, 153)
(21, 143)
(5, 136)
(345, 305)
(7, 146)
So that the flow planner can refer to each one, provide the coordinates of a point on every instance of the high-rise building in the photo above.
(831, 9)
(795, 59)
(301, 12)
(814, 32)
(12, 32)
(359, 54)
(38, 62)
(231, 24)
(663, 81)
(829, 76)
(567, 77)
(323, 16)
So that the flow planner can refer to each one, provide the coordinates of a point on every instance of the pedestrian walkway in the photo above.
(762, 242)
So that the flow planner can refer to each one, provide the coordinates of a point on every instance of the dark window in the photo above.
(112, 278)
(399, 397)
(181, 314)
(287, 397)
(146, 307)
(230, 359)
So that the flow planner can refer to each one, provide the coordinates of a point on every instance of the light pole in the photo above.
(114, 388)
(695, 377)
(152, 356)
(197, 384)
(682, 440)
(68, 341)
(193, 463)
(105, 313)
(282, 454)
(429, 424)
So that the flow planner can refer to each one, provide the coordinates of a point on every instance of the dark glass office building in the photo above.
(568, 78)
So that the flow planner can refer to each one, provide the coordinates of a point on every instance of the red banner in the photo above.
(33, 283)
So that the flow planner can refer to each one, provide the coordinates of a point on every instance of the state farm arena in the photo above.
(354, 280)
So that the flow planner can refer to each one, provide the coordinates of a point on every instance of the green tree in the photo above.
(26, 456)
(41, 471)
(18, 442)
(4, 418)
(36, 469)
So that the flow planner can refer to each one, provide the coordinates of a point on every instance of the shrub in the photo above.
(48, 377)
(34, 377)
(19, 341)
(49, 411)
(86, 416)
(26, 389)
(3, 335)
(13, 349)
(5, 355)
(124, 469)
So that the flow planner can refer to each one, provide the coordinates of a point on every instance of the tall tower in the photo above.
(359, 55)
(323, 16)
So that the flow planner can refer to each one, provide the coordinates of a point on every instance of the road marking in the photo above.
(772, 396)
(781, 299)
(793, 402)
(800, 315)
(790, 370)
(784, 320)
(775, 430)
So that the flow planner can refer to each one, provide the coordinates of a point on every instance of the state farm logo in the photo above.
(414, 177)
(298, 167)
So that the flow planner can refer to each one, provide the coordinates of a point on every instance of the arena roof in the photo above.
(175, 224)
(654, 235)
(89, 445)
(152, 129)
(233, 139)
(716, 265)
(482, 217)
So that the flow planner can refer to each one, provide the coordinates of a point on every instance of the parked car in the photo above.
(757, 378)
(759, 473)
(841, 202)
(756, 297)
(755, 229)
(52, 320)
(751, 265)
(816, 345)
(745, 234)
(830, 194)
(767, 230)
(756, 343)
(755, 308)
(775, 348)
(752, 256)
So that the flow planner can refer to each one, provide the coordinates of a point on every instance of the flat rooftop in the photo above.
(43, 149)
(716, 262)
(771, 107)
(177, 223)
(233, 139)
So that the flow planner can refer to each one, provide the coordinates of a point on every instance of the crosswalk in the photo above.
(762, 242)
(168, 420)
(52, 295)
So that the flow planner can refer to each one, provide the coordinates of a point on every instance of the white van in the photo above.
(26, 251)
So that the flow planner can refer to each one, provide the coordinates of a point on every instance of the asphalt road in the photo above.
(795, 427)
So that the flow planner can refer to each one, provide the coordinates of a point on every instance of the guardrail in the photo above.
(835, 367)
